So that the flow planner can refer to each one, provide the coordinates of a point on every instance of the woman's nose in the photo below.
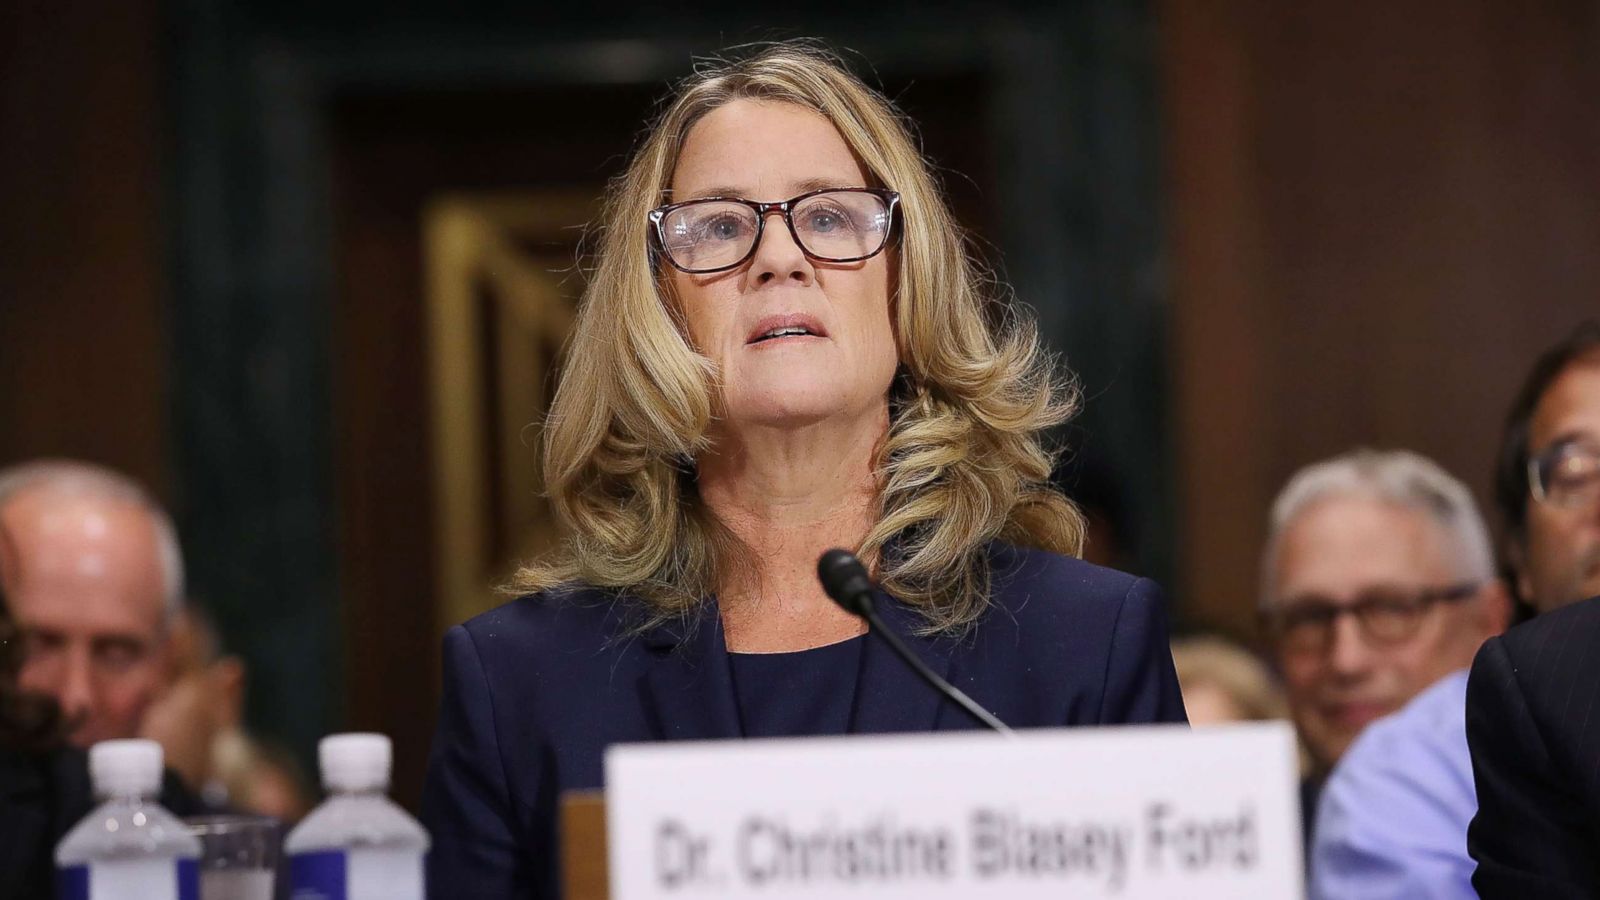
(778, 257)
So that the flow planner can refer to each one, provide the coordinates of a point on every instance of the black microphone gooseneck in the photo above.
(845, 580)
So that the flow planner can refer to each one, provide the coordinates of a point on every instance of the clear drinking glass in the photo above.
(239, 856)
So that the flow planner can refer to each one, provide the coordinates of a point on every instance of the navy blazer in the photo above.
(535, 690)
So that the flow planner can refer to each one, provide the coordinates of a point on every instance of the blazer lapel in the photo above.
(688, 690)
(889, 695)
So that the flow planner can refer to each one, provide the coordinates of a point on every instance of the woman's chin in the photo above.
(791, 406)
(785, 416)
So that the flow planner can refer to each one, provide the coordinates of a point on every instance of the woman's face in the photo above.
(771, 151)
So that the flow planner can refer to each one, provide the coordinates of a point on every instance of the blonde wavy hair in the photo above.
(963, 462)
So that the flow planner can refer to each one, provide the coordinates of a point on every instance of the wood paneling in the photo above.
(1379, 213)
(82, 345)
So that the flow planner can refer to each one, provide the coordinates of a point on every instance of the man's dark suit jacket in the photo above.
(42, 796)
(1533, 723)
(535, 690)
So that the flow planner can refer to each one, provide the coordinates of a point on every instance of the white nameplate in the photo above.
(1134, 812)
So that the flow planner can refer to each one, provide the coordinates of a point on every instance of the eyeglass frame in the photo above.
(656, 216)
(1419, 603)
(1536, 486)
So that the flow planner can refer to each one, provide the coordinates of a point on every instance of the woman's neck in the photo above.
(788, 495)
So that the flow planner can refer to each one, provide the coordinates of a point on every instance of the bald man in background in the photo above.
(94, 583)
(88, 571)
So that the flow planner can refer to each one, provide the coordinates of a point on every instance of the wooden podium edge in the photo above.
(584, 873)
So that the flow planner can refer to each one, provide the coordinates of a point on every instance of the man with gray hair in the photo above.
(94, 583)
(1378, 586)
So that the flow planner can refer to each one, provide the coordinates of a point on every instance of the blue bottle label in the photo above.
(317, 876)
(188, 879)
(72, 883)
(147, 879)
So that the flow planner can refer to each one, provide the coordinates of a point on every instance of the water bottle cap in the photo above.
(355, 762)
(125, 767)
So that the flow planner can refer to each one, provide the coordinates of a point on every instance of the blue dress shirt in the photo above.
(1393, 818)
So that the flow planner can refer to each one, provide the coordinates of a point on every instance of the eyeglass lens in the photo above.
(839, 225)
(1308, 626)
(1567, 474)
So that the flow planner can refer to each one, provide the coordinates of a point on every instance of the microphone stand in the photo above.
(876, 626)
(845, 580)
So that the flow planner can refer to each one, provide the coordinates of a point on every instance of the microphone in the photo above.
(845, 580)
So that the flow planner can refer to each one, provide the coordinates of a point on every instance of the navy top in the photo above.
(805, 692)
(537, 689)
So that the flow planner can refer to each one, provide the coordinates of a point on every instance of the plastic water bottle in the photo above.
(128, 848)
(358, 845)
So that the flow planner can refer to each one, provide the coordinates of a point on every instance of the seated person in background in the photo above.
(1223, 682)
(1546, 472)
(263, 778)
(1377, 582)
(784, 348)
(203, 699)
(198, 719)
(44, 783)
(99, 584)
(1535, 742)
(43, 787)
(1533, 704)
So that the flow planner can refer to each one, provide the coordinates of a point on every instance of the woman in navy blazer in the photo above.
(751, 381)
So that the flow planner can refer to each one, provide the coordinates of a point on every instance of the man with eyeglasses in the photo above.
(1378, 586)
(1533, 702)
(1547, 479)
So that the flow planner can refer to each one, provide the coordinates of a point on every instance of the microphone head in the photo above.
(845, 580)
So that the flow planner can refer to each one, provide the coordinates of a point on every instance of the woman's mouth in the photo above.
(784, 328)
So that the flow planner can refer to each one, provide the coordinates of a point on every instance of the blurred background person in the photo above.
(202, 699)
(1223, 682)
(44, 789)
(1538, 788)
(44, 781)
(199, 721)
(1376, 582)
(1546, 475)
(1539, 801)
(262, 777)
(101, 630)
(1387, 555)
(98, 587)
